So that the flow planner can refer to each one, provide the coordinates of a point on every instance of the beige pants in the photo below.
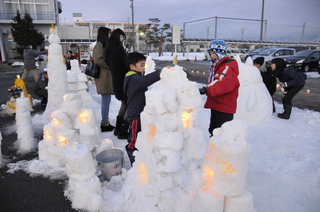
(34, 72)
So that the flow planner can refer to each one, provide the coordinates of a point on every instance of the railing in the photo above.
(36, 16)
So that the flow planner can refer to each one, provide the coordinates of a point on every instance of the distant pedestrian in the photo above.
(268, 76)
(29, 56)
(292, 81)
(127, 50)
(40, 88)
(69, 57)
(222, 90)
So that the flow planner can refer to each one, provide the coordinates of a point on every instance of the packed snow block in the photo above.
(228, 156)
(80, 164)
(72, 77)
(72, 103)
(84, 118)
(242, 203)
(102, 146)
(23, 118)
(183, 202)
(195, 145)
(75, 66)
(23, 105)
(81, 77)
(208, 201)
(254, 103)
(81, 86)
(66, 137)
(43, 149)
(72, 87)
(170, 140)
(55, 155)
(24, 132)
(155, 102)
(49, 132)
(90, 135)
(166, 160)
(188, 96)
(87, 195)
(60, 120)
(195, 182)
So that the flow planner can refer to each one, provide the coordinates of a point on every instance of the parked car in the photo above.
(297, 48)
(305, 60)
(255, 52)
(271, 53)
(233, 52)
(319, 67)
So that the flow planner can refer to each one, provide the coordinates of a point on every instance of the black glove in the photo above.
(203, 90)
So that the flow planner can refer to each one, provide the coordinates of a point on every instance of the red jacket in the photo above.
(222, 90)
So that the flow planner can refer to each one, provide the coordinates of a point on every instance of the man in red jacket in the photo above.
(222, 90)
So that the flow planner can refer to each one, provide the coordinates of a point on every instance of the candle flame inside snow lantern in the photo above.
(152, 131)
(208, 177)
(62, 141)
(47, 135)
(186, 118)
(143, 173)
(84, 117)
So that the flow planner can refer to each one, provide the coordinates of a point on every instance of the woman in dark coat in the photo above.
(291, 80)
(116, 60)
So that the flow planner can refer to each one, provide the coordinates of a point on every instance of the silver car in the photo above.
(271, 53)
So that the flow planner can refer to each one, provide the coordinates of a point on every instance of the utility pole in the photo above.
(242, 32)
(133, 35)
(208, 28)
(303, 28)
(261, 27)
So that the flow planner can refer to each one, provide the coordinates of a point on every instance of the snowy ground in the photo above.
(284, 169)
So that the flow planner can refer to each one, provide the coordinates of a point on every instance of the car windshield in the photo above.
(266, 52)
(301, 54)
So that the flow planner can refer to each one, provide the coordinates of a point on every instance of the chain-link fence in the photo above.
(248, 29)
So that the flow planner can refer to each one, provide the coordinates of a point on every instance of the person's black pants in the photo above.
(217, 119)
(291, 92)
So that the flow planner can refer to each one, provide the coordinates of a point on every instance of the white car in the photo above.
(271, 53)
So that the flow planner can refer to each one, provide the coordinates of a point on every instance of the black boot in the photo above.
(106, 127)
(118, 125)
(130, 154)
(287, 112)
(274, 107)
(123, 131)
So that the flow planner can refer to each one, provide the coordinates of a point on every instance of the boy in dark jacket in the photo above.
(222, 90)
(135, 86)
(29, 56)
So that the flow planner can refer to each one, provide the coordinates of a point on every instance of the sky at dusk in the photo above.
(285, 18)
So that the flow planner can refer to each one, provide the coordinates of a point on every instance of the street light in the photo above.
(133, 37)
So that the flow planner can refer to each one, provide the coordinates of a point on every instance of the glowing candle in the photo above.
(308, 91)
(62, 141)
(83, 117)
(56, 122)
(143, 173)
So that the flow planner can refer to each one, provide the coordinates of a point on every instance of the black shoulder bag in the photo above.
(92, 70)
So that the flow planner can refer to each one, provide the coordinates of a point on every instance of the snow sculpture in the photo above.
(254, 102)
(25, 142)
(83, 183)
(171, 144)
(77, 83)
(57, 73)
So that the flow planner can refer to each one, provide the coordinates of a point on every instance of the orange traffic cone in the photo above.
(195, 58)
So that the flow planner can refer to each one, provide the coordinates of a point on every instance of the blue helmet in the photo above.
(219, 47)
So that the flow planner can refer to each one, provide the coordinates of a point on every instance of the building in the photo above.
(43, 12)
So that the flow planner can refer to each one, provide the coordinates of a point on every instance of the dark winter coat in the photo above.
(135, 86)
(116, 60)
(269, 78)
(292, 77)
(29, 56)
(104, 82)
(40, 87)
(222, 90)
(68, 63)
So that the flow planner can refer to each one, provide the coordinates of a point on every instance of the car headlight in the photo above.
(300, 61)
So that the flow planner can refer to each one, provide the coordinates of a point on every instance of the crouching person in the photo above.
(40, 88)
(135, 86)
